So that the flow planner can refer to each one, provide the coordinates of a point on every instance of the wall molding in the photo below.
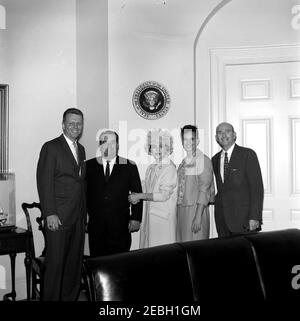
(214, 11)
(295, 172)
(295, 215)
(248, 83)
(268, 216)
(293, 90)
(269, 148)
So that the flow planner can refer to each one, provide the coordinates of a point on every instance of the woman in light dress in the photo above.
(195, 189)
(159, 219)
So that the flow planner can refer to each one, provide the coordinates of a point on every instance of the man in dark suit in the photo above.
(60, 182)
(239, 200)
(110, 179)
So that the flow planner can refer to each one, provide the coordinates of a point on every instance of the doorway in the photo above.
(258, 91)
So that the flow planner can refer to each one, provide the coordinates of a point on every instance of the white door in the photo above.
(263, 104)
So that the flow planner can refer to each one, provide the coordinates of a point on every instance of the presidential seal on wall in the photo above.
(151, 100)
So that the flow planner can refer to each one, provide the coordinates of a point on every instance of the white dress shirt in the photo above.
(111, 164)
(71, 145)
(229, 152)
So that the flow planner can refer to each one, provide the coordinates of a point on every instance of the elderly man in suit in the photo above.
(110, 179)
(60, 182)
(239, 200)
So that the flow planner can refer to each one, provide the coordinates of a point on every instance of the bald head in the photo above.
(225, 135)
(224, 125)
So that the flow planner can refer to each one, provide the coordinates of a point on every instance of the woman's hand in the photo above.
(196, 224)
(197, 220)
(134, 198)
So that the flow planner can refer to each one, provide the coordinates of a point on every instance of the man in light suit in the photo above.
(110, 179)
(60, 182)
(239, 200)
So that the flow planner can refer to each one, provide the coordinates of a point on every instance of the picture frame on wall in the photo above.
(3, 128)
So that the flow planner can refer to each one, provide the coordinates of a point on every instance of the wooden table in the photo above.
(13, 241)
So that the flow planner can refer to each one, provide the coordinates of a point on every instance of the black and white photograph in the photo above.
(150, 157)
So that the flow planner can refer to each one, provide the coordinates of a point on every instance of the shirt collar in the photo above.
(111, 162)
(69, 141)
(229, 151)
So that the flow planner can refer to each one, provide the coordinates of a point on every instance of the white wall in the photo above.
(92, 68)
(39, 48)
(150, 40)
(53, 55)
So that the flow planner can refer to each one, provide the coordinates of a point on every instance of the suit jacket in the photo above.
(112, 196)
(60, 186)
(240, 198)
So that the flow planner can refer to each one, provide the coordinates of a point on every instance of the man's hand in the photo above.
(53, 223)
(253, 225)
(134, 226)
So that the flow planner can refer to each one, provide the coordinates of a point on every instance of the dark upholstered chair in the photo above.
(37, 267)
(84, 281)
(233, 274)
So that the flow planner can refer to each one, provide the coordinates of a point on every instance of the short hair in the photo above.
(110, 132)
(72, 111)
(187, 128)
(155, 136)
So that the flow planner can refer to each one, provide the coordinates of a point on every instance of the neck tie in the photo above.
(76, 152)
(107, 171)
(225, 166)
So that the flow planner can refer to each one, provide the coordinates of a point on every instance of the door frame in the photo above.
(220, 58)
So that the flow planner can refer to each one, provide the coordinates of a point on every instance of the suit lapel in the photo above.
(234, 157)
(69, 153)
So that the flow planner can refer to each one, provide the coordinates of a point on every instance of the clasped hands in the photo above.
(134, 198)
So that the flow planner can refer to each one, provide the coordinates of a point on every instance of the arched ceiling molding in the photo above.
(205, 22)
